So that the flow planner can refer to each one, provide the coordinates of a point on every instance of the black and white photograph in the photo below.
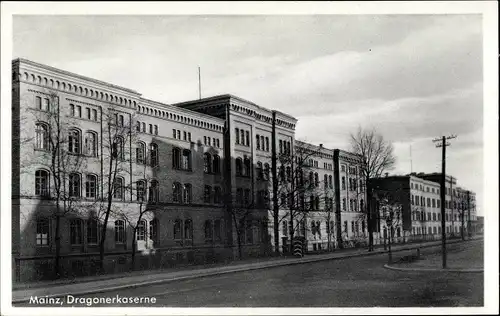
(249, 158)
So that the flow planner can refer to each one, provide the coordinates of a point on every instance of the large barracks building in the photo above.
(194, 182)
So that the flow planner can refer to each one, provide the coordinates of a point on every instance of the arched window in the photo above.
(325, 181)
(188, 229)
(176, 158)
(76, 231)
(330, 182)
(141, 230)
(42, 232)
(141, 190)
(248, 167)
(266, 171)
(74, 185)
(316, 180)
(362, 205)
(118, 187)
(42, 183)
(311, 178)
(208, 230)
(91, 144)
(120, 231)
(282, 173)
(207, 163)
(186, 193)
(153, 191)
(288, 174)
(91, 186)
(153, 231)
(186, 159)
(74, 141)
(207, 194)
(259, 170)
(216, 164)
(317, 202)
(177, 192)
(153, 154)
(140, 153)
(178, 229)
(239, 166)
(311, 202)
(92, 231)
(117, 148)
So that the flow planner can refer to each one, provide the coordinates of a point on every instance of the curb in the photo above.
(235, 270)
(387, 266)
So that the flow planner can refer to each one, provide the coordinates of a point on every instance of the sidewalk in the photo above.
(467, 258)
(99, 284)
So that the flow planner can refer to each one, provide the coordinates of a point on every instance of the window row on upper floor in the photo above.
(242, 137)
(262, 143)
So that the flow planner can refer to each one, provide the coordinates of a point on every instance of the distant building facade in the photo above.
(420, 200)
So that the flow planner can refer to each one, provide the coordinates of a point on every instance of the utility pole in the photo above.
(443, 145)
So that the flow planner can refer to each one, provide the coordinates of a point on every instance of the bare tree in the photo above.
(299, 187)
(59, 148)
(377, 157)
(118, 134)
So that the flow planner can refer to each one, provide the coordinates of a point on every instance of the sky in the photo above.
(411, 77)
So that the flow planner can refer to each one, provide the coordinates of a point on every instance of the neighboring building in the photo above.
(420, 200)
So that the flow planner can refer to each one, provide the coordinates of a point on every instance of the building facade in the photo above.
(420, 200)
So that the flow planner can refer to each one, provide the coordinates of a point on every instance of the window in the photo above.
(42, 232)
(285, 228)
(74, 185)
(150, 128)
(266, 171)
(208, 230)
(91, 186)
(207, 194)
(267, 143)
(186, 159)
(188, 229)
(247, 142)
(343, 183)
(242, 137)
(42, 183)
(156, 129)
(78, 111)
(74, 141)
(216, 164)
(176, 158)
(177, 192)
(217, 195)
(239, 166)
(247, 167)
(88, 113)
(42, 136)
(153, 153)
(259, 171)
(433, 202)
(153, 191)
(117, 148)
(118, 188)
(141, 230)
(91, 144)
(92, 231)
(186, 194)
(257, 141)
(280, 146)
(120, 231)
(207, 163)
(141, 190)
(140, 153)
(316, 180)
(343, 204)
(76, 232)
(178, 229)
(94, 115)
(330, 182)
(38, 103)
(237, 135)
